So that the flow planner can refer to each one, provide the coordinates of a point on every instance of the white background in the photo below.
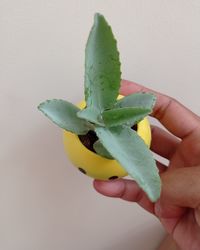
(45, 203)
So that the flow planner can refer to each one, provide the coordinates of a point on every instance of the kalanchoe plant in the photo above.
(111, 119)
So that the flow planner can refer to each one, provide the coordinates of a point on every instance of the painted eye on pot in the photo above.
(113, 177)
(82, 170)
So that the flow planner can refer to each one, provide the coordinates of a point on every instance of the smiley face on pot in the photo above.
(94, 165)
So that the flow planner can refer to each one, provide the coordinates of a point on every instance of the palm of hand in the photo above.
(180, 221)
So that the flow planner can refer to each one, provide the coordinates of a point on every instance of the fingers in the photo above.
(161, 167)
(175, 194)
(128, 87)
(163, 143)
(125, 189)
(174, 116)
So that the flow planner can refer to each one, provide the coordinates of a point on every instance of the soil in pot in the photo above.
(90, 138)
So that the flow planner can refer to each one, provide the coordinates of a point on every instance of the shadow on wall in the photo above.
(44, 199)
(39, 158)
(135, 239)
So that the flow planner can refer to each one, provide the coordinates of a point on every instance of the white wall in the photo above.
(45, 203)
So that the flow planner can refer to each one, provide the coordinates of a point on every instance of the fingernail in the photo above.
(157, 209)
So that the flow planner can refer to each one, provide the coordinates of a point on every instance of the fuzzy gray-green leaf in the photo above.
(131, 152)
(124, 116)
(141, 100)
(101, 150)
(92, 115)
(102, 66)
(64, 114)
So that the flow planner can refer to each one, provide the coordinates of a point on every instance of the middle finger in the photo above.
(163, 143)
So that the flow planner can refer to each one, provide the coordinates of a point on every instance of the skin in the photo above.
(178, 208)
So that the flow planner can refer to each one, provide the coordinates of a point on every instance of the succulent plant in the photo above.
(110, 118)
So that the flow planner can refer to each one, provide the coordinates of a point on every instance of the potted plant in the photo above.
(107, 136)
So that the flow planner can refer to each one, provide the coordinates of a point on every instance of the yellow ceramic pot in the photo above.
(94, 165)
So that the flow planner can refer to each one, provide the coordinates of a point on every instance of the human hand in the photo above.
(178, 208)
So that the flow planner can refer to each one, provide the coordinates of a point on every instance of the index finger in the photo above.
(179, 120)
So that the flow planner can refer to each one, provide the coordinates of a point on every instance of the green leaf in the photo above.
(102, 66)
(124, 116)
(64, 114)
(100, 150)
(131, 152)
(92, 115)
(141, 100)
